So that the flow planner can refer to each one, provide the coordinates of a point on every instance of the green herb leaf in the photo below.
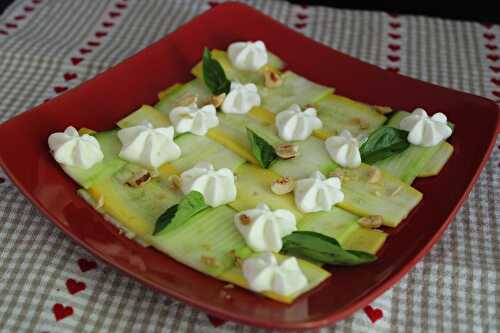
(214, 75)
(261, 150)
(180, 213)
(383, 143)
(320, 248)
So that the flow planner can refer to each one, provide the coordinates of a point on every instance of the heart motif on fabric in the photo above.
(489, 36)
(394, 15)
(84, 50)
(496, 93)
(11, 25)
(121, 5)
(393, 69)
(76, 61)
(487, 25)
(19, 17)
(394, 47)
(93, 43)
(493, 57)
(373, 314)
(302, 16)
(216, 322)
(395, 25)
(70, 76)
(107, 24)
(100, 34)
(300, 25)
(36, 2)
(60, 311)
(491, 47)
(60, 89)
(28, 8)
(394, 36)
(495, 69)
(86, 265)
(393, 58)
(3, 32)
(114, 14)
(496, 81)
(212, 4)
(75, 286)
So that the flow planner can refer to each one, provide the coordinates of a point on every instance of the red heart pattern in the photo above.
(76, 61)
(84, 50)
(395, 25)
(394, 47)
(86, 265)
(496, 81)
(394, 36)
(60, 89)
(70, 76)
(393, 69)
(36, 1)
(373, 314)
(212, 4)
(393, 58)
(491, 47)
(488, 36)
(301, 16)
(114, 14)
(300, 25)
(3, 32)
(493, 57)
(60, 311)
(28, 8)
(93, 43)
(19, 17)
(487, 25)
(121, 5)
(75, 286)
(496, 93)
(495, 69)
(107, 24)
(393, 15)
(100, 34)
(11, 25)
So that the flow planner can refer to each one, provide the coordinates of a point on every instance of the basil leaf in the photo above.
(165, 219)
(383, 143)
(180, 213)
(213, 75)
(261, 150)
(320, 248)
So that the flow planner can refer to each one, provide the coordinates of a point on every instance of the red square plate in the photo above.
(102, 101)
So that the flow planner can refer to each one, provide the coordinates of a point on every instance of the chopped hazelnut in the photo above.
(383, 109)
(371, 221)
(175, 182)
(217, 101)
(245, 219)
(287, 150)
(282, 185)
(272, 79)
(139, 178)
